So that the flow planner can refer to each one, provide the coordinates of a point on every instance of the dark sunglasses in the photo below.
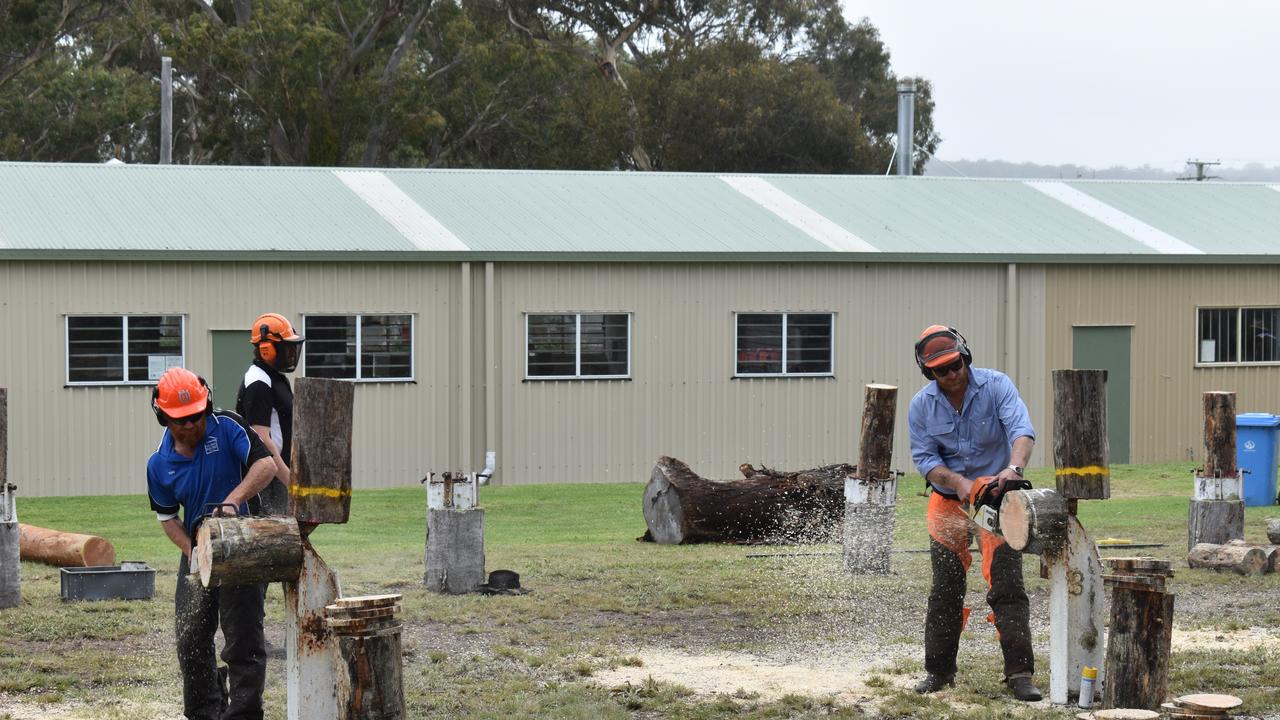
(946, 370)
(188, 420)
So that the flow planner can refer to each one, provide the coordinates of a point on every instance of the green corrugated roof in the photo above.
(52, 210)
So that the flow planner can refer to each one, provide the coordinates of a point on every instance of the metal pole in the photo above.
(166, 111)
(906, 126)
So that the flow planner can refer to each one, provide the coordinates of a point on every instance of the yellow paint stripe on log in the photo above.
(335, 493)
(1086, 470)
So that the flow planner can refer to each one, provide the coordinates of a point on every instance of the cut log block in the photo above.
(320, 488)
(246, 550)
(1273, 531)
(10, 565)
(64, 549)
(769, 506)
(1214, 521)
(1034, 521)
(1239, 559)
(455, 550)
(1219, 434)
(1272, 553)
(1081, 454)
(876, 449)
(1138, 646)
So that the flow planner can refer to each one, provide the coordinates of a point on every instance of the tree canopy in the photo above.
(706, 85)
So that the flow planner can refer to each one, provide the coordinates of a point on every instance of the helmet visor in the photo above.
(941, 349)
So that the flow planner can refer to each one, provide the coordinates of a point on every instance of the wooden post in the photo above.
(1216, 512)
(1081, 455)
(455, 550)
(320, 491)
(10, 533)
(1139, 642)
(247, 550)
(368, 635)
(870, 495)
(1075, 611)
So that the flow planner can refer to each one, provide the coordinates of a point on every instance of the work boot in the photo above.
(1023, 689)
(933, 682)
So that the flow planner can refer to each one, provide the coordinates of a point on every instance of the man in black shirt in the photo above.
(265, 399)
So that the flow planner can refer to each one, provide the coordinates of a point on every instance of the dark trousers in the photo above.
(198, 612)
(949, 532)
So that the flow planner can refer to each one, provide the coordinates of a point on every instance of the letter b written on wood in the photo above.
(320, 491)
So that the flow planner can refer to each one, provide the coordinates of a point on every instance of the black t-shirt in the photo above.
(265, 398)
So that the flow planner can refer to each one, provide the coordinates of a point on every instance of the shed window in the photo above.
(577, 345)
(785, 344)
(111, 349)
(359, 347)
(1238, 335)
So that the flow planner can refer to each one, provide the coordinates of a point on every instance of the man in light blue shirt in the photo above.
(969, 423)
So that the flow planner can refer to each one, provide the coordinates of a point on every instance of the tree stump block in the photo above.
(10, 565)
(1214, 522)
(247, 550)
(1034, 521)
(455, 550)
(320, 477)
(1273, 531)
(871, 497)
(1138, 647)
(1239, 559)
(1219, 434)
(65, 549)
(1081, 454)
(369, 645)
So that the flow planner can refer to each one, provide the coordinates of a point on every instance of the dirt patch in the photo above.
(19, 708)
(1215, 640)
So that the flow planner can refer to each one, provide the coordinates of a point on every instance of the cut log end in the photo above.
(1033, 521)
(1240, 559)
(662, 509)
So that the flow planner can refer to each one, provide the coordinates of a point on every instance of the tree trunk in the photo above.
(1214, 521)
(1080, 451)
(244, 550)
(64, 549)
(1034, 521)
(766, 507)
(1240, 559)
(1138, 648)
(1273, 531)
(1272, 553)
(320, 491)
(1219, 434)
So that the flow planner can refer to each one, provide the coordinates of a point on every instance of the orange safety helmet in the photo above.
(180, 393)
(270, 329)
(940, 345)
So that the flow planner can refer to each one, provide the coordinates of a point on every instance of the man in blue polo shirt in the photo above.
(969, 423)
(209, 459)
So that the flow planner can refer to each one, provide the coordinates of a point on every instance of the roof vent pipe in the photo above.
(906, 125)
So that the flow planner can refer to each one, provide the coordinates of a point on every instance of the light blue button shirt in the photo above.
(975, 441)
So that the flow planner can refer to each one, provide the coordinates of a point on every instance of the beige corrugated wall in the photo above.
(681, 400)
(1160, 302)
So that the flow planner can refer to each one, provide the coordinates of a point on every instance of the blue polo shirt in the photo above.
(219, 464)
(974, 441)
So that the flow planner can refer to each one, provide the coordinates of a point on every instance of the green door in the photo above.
(1107, 348)
(231, 355)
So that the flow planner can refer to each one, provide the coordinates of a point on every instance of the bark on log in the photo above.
(320, 491)
(1214, 521)
(1240, 559)
(1219, 434)
(64, 549)
(1034, 521)
(1272, 553)
(1138, 646)
(1273, 531)
(768, 507)
(244, 550)
(1080, 450)
(879, 408)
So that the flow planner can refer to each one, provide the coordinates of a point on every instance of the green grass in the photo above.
(600, 600)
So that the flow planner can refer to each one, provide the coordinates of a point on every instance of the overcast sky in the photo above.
(1093, 82)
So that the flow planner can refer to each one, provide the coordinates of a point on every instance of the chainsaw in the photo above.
(985, 497)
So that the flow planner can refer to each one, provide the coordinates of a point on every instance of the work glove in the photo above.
(985, 496)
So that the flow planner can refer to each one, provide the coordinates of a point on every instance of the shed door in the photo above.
(1107, 348)
(231, 355)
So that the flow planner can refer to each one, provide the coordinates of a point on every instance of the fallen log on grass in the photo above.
(764, 506)
(1272, 553)
(1273, 531)
(64, 549)
(1240, 559)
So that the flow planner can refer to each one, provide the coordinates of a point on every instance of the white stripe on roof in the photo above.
(803, 217)
(1154, 238)
(397, 208)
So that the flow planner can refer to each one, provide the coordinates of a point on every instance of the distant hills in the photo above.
(1253, 172)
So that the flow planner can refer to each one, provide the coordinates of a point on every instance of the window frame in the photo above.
(1239, 331)
(784, 374)
(577, 344)
(359, 316)
(124, 347)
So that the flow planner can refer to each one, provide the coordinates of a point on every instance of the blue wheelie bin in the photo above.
(1256, 435)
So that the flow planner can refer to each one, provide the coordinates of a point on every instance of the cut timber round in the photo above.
(1273, 531)
(1272, 552)
(768, 506)
(64, 549)
(1033, 521)
(246, 550)
(1126, 714)
(1209, 701)
(1240, 559)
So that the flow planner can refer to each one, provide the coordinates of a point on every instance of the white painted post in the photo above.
(1075, 612)
(314, 680)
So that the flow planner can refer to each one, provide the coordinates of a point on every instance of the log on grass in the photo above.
(1239, 559)
(1034, 521)
(764, 506)
(1272, 553)
(64, 549)
(246, 550)
(1273, 531)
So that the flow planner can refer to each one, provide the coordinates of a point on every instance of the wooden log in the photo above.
(374, 666)
(1273, 531)
(1034, 521)
(65, 549)
(1214, 521)
(1138, 646)
(1272, 553)
(879, 408)
(682, 507)
(1219, 434)
(246, 550)
(1081, 454)
(320, 488)
(1239, 559)
(455, 550)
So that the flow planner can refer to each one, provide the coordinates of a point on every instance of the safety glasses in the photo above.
(945, 370)
(188, 420)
